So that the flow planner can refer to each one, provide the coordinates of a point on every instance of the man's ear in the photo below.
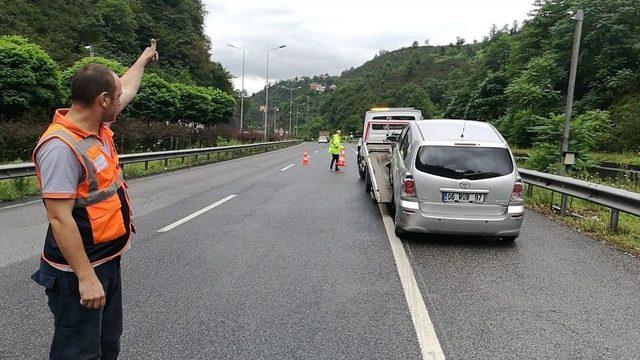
(104, 99)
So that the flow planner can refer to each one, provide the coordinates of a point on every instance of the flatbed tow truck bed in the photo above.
(378, 157)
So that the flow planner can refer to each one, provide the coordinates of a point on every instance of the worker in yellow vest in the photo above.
(89, 213)
(335, 147)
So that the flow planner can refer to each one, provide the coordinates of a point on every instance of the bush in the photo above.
(29, 78)
(626, 125)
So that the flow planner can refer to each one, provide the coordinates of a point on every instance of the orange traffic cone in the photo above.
(341, 162)
(305, 158)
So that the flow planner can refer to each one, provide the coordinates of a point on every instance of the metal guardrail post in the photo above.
(613, 223)
(529, 190)
(146, 165)
(166, 163)
(563, 205)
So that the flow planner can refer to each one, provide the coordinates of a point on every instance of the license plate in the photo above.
(468, 198)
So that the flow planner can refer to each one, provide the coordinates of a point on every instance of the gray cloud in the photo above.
(336, 35)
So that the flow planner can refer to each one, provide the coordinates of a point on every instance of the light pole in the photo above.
(565, 156)
(266, 102)
(306, 119)
(242, 90)
(90, 48)
(298, 117)
(275, 110)
(579, 17)
(290, 105)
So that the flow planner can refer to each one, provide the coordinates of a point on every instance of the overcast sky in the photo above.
(329, 36)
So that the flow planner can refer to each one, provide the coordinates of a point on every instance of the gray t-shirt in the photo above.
(60, 170)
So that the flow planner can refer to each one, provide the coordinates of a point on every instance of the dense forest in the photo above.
(183, 99)
(516, 78)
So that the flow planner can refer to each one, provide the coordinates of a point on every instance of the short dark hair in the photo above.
(90, 81)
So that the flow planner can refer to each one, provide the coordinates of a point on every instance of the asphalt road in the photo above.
(298, 265)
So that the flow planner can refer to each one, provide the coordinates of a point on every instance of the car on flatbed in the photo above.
(453, 177)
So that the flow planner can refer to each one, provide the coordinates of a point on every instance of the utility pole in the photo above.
(275, 130)
(306, 120)
(579, 17)
(90, 48)
(266, 103)
(566, 157)
(242, 90)
(290, 105)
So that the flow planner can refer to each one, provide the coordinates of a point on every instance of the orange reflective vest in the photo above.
(101, 211)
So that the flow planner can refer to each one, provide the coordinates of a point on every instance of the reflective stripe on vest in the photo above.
(81, 148)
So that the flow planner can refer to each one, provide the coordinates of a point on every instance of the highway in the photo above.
(263, 258)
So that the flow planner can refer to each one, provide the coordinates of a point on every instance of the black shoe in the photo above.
(337, 169)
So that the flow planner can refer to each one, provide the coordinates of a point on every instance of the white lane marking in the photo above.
(315, 152)
(288, 167)
(427, 338)
(195, 214)
(20, 205)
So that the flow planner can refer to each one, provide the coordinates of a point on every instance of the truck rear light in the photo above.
(516, 194)
(408, 186)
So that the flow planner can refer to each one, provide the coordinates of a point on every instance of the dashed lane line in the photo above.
(195, 214)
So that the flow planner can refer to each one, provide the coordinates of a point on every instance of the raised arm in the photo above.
(132, 78)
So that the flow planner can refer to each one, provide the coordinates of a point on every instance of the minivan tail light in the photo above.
(408, 186)
(516, 194)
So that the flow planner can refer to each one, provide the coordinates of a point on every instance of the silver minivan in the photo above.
(455, 177)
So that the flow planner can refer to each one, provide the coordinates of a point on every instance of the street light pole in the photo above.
(306, 119)
(242, 90)
(266, 102)
(90, 48)
(290, 105)
(298, 117)
(579, 17)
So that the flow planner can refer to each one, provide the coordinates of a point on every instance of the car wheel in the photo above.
(361, 171)
(397, 229)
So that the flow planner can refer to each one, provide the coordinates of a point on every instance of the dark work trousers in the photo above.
(82, 333)
(334, 159)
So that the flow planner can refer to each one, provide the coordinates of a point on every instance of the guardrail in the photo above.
(13, 171)
(615, 199)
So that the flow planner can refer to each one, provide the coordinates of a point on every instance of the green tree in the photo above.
(156, 100)
(534, 88)
(29, 79)
(412, 95)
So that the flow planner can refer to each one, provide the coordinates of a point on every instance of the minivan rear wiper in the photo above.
(483, 174)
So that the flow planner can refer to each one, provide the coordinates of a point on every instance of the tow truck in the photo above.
(374, 148)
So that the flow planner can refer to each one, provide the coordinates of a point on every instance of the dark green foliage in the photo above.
(29, 79)
(119, 30)
(156, 100)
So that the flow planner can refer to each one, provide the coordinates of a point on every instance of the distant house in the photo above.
(333, 87)
(316, 87)
(262, 108)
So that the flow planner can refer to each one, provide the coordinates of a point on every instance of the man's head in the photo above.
(339, 132)
(97, 88)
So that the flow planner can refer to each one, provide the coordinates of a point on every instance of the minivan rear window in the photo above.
(456, 162)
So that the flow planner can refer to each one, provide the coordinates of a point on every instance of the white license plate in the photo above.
(452, 197)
